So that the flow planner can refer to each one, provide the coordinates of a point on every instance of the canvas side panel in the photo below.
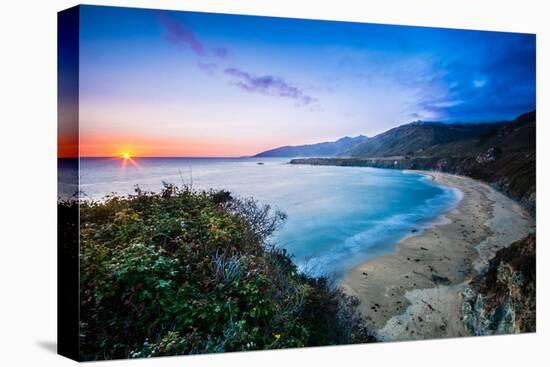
(67, 179)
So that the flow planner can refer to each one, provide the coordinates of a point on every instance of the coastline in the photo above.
(415, 292)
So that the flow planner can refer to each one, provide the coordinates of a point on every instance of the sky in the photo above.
(163, 83)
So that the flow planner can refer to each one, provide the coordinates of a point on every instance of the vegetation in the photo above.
(184, 272)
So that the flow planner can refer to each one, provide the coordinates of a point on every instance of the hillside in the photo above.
(515, 136)
(186, 272)
(416, 137)
(325, 149)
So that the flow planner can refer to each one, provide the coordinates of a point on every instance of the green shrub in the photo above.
(184, 272)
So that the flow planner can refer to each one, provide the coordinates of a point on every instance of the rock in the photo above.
(440, 279)
(491, 155)
(503, 299)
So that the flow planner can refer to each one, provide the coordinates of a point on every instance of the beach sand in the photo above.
(415, 293)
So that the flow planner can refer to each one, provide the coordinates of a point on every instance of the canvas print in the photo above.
(237, 183)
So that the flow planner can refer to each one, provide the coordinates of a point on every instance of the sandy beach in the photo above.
(415, 293)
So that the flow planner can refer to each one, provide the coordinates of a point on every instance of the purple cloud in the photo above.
(267, 85)
(208, 68)
(220, 52)
(179, 34)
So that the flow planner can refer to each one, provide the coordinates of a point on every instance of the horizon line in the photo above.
(158, 156)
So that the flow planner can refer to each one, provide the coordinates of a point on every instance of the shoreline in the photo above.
(415, 292)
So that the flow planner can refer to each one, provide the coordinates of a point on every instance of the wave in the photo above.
(382, 237)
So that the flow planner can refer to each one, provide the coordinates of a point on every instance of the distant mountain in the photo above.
(325, 149)
(414, 138)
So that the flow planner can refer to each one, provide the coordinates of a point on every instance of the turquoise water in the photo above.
(337, 216)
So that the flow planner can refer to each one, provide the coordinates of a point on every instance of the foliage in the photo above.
(184, 272)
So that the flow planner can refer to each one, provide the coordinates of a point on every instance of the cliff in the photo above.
(503, 299)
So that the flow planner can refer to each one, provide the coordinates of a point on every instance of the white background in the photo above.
(28, 182)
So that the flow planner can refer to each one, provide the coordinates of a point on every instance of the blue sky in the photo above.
(197, 84)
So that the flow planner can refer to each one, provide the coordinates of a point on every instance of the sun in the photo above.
(125, 157)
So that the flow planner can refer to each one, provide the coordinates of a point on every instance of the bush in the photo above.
(184, 272)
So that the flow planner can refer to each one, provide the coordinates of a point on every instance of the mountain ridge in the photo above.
(323, 149)
(415, 137)
(405, 139)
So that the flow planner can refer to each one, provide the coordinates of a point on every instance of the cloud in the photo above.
(480, 82)
(220, 52)
(180, 34)
(208, 68)
(267, 85)
(491, 79)
(499, 83)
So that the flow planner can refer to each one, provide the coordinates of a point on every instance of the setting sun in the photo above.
(125, 158)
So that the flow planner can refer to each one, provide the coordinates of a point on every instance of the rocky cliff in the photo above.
(503, 299)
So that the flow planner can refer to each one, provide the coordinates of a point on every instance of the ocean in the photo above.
(338, 217)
